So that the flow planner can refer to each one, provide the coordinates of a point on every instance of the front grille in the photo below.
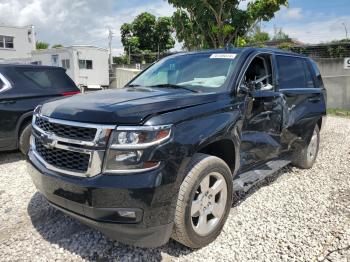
(66, 131)
(68, 160)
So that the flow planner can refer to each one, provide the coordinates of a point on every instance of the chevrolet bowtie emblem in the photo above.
(48, 141)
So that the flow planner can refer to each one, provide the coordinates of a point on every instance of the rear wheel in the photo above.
(204, 202)
(24, 138)
(306, 157)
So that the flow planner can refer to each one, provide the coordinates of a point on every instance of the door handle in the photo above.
(314, 99)
(7, 102)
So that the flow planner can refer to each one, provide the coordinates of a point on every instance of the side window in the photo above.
(308, 75)
(294, 72)
(259, 73)
(41, 78)
(319, 81)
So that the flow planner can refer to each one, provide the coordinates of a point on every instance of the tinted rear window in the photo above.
(317, 73)
(44, 78)
(294, 72)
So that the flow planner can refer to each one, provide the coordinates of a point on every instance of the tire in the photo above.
(306, 157)
(200, 228)
(24, 138)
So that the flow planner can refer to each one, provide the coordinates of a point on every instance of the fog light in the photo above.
(128, 214)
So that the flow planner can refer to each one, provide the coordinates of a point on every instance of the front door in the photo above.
(261, 131)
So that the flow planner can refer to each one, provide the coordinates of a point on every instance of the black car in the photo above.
(22, 88)
(163, 156)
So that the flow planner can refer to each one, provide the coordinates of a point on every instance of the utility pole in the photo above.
(346, 30)
(158, 52)
(129, 54)
(110, 37)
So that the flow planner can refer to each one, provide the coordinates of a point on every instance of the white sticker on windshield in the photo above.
(223, 56)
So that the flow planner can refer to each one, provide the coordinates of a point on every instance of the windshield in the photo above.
(199, 72)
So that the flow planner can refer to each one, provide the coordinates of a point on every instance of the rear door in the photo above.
(305, 100)
(7, 118)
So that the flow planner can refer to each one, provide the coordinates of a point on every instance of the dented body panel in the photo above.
(246, 127)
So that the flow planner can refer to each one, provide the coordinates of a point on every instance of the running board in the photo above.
(246, 180)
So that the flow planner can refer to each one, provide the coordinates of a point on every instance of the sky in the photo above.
(70, 22)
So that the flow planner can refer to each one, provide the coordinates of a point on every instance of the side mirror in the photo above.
(247, 88)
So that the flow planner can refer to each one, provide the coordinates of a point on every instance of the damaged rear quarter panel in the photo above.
(303, 108)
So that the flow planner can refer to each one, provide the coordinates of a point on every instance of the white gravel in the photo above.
(299, 215)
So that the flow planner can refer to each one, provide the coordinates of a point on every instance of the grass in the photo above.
(338, 112)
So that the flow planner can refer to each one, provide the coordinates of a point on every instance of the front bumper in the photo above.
(100, 202)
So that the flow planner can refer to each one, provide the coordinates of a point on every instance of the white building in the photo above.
(16, 42)
(86, 65)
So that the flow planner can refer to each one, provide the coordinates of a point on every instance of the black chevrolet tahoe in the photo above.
(164, 156)
(22, 88)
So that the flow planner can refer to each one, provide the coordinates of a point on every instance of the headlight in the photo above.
(130, 148)
(139, 137)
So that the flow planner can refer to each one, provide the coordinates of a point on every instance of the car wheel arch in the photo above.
(22, 122)
(224, 149)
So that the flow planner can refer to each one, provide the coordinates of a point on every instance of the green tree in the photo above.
(57, 46)
(41, 45)
(120, 60)
(280, 35)
(147, 34)
(163, 39)
(219, 22)
(187, 30)
(257, 37)
(340, 41)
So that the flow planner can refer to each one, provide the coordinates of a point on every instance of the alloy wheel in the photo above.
(208, 204)
(312, 148)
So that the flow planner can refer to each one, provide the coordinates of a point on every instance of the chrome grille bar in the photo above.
(95, 148)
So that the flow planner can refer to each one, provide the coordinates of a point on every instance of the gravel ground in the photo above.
(298, 215)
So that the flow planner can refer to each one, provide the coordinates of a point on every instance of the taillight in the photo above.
(71, 93)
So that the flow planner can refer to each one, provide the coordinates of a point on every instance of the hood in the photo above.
(123, 106)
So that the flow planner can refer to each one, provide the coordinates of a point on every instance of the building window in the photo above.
(36, 63)
(85, 64)
(6, 42)
(66, 63)
(54, 60)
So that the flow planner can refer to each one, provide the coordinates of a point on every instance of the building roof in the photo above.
(65, 48)
(18, 27)
(278, 42)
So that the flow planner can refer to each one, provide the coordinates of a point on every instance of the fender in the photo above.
(20, 121)
(197, 127)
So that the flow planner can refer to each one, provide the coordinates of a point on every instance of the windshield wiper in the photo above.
(175, 87)
(132, 85)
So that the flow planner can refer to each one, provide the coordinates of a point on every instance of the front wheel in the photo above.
(204, 201)
(306, 157)
(24, 138)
